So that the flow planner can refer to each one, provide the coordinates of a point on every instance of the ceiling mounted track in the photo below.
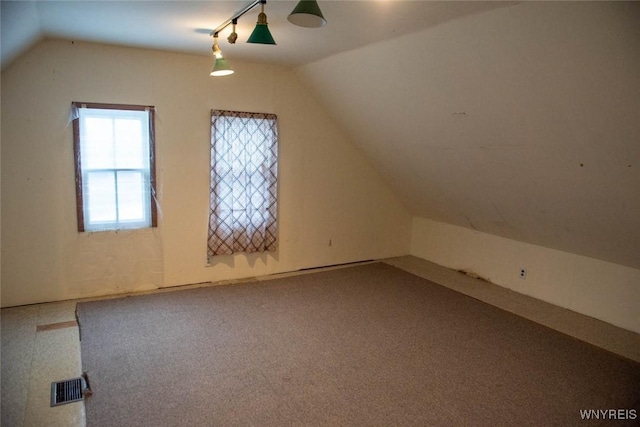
(306, 14)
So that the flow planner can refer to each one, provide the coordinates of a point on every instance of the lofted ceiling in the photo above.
(521, 120)
(185, 26)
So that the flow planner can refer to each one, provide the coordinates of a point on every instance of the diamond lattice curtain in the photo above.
(244, 183)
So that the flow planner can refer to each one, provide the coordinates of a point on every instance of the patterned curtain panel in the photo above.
(244, 183)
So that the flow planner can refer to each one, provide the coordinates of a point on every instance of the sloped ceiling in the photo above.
(185, 25)
(517, 119)
(522, 122)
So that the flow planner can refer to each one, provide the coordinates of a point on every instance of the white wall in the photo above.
(521, 122)
(327, 189)
(603, 290)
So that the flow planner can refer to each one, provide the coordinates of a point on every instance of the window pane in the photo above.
(130, 144)
(131, 196)
(100, 197)
(97, 143)
(114, 139)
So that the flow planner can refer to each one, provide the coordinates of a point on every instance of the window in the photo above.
(244, 183)
(115, 170)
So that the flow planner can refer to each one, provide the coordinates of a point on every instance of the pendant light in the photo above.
(221, 66)
(233, 36)
(307, 14)
(261, 34)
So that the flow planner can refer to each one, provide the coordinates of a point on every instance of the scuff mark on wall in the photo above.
(469, 221)
(473, 275)
(504, 221)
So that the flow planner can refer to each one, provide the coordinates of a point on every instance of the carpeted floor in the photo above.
(365, 345)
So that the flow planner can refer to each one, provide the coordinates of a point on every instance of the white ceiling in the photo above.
(185, 26)
(521, 122)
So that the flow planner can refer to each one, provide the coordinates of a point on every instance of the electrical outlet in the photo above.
(523, 273)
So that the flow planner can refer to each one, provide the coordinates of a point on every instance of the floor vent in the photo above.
(67, 391)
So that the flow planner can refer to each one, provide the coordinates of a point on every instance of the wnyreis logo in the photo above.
(608, 414)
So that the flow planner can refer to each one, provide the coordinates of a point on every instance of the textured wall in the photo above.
(328, 190)
(521, 122)
(599, 289)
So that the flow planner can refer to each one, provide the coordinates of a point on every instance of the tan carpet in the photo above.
(365, 345)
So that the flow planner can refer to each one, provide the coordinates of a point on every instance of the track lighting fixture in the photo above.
(221, 66)
(261, 34)
(306, 14)
(233, 36)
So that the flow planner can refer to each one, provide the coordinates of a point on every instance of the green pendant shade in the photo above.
(221, 68)
(261, 33)
(307, 14)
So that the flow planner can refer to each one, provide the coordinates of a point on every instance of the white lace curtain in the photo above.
(244, 183)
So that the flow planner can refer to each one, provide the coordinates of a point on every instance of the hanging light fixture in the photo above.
(307, 14)
(233, 36)
(221, 66)
(261, 34)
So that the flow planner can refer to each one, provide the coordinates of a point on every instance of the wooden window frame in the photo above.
(77, 157)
